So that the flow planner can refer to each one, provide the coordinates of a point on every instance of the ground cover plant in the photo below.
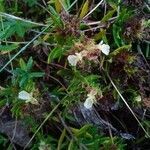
(74, 74)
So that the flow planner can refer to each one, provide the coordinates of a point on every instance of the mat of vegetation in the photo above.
(75, 74)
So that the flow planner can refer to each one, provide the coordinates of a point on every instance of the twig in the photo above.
(139, 50)
(18, 18)
(11, 42)
(98, 22)
(72, 5)
(14, 131)
(11, 143)
(94, 28)
(44, 2)
(43, 7)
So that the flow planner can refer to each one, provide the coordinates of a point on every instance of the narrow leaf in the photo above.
(61, 139)
(55, 17)
(22, 64)
(8, 48)
(101, 35)
(36, 74)
(58, 6)
(118, 50)
(9, 31)
(108, 15)
(116, 31)
(70, 147)
(85, 9)
(29, 63)
(55, 53)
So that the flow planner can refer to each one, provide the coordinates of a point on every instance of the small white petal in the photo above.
(105, 49)
(88, 103)
(101, 42)
(72, 59)
(24, 95)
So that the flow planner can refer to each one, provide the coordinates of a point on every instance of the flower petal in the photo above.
(101, 42)
(72, 59)
(24, 95)
(105, 49)
(88, 103)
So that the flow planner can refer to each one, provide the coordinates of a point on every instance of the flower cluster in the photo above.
(78, 57)
(90, 52)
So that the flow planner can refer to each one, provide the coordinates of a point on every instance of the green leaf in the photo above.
(58, 6)
(83, 130)
(23, 80)
(7, 32)
(29, 64)
(19, 71)
(85, 9)
(14, 26)
(55, 17)
(79, 76)
(70, 146)
(1, 5)
(101, 35)
(37, 74)
(55, 53)
(21, 27)
(8, 48)
(148, 50)
(23, 65)
(92, 80)
(108, 15)
(67, 4)
(61, 139)
(120, 49)
(116, 35)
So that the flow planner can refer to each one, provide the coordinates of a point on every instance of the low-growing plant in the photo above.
(73, 74)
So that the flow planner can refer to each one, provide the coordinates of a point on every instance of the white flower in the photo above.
(88, 103)
(90, 99)
(74, 59)
(105, 48)
(23, 95)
